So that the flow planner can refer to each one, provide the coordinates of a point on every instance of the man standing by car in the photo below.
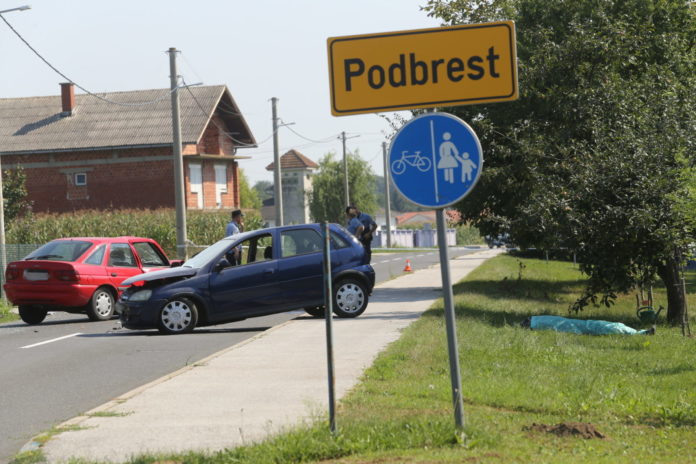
(365, 233)
(234, 227)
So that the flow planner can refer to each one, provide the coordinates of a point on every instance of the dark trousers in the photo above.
(367, 244)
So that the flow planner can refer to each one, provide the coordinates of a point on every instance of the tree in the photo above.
(14, 193)
(264, 189)
(326, 197)
(398, 201)
(248, 198)
(597, 155)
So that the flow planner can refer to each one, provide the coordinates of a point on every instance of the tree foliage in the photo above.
(326, 198)
(248, 197)
(14, 193)
(597, 155)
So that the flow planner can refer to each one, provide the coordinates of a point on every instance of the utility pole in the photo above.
(346, 193)
(3, 252)
(178, 159)
(386, 193)
(277, 178)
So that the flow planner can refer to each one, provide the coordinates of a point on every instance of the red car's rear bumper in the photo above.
(63, 295)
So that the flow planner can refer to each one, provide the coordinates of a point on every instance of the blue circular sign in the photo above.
(435, 160)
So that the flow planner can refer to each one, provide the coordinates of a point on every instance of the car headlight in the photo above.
(142, 295)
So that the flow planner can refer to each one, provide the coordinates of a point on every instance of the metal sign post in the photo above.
(328, 315)
(435, 160)
(450, 321)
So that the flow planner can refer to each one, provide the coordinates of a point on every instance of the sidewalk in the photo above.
(273, 381)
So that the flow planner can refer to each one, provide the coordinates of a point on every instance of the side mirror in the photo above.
(222, 264)
(175, 263)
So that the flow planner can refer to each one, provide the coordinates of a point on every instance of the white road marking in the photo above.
(52, 340)
(418, 256)
(397, 259)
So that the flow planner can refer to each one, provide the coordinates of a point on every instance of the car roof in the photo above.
(126, 238)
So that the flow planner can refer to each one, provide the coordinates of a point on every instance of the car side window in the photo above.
(300, 241)
(97, 256)
(254, 249)
(149, 255)
(338, 241)
(121, 255)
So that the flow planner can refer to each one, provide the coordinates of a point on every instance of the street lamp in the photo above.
(19, 8)
(3, 254)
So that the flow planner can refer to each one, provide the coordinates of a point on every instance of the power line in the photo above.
(330, 138)
(57, 71)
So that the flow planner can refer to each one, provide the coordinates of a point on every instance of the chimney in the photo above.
(67, 94)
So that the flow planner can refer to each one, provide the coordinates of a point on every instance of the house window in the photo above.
(81, 178)
(196, 181)
(220, 182)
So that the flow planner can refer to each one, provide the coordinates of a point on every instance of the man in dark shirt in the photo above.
(368, 228)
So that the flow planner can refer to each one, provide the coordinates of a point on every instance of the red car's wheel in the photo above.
(32, 314)
(101, 307)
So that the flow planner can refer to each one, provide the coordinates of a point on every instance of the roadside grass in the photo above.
(6, 314)
(636, 390)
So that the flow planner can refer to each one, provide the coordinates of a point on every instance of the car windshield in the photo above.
(205, 256)
(60, 250)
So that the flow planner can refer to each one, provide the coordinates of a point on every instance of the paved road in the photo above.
(69, 365)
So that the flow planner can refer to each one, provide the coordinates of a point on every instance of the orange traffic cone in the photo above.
(408, 266)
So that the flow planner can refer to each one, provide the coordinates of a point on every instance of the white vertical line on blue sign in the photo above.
(432, 141)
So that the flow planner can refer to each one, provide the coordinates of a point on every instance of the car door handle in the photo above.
(113, 274)
(268, 272)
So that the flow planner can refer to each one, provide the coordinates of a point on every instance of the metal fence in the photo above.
(408, 238)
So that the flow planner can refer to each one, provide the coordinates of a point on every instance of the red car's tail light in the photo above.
(67, 275)
(11, 274)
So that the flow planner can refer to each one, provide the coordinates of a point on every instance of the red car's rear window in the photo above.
(60, 250)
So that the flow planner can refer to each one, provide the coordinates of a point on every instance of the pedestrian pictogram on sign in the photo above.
(435, 160)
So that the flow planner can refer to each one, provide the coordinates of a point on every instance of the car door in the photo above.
(249, 288)
(121, 263)
(300, 267)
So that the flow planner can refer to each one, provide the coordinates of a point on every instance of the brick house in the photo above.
(82, 152)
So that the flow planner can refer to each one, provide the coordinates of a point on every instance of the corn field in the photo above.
(203, 228)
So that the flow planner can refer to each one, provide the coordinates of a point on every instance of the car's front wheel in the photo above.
(350, 298)
(32, 315)
(177, 316)
(101, 307)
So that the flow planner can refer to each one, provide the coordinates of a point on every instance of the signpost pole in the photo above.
(450, 320)
(328, 315)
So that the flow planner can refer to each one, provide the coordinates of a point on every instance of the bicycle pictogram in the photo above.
(416, 160)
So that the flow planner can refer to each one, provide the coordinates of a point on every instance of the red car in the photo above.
(79, 275)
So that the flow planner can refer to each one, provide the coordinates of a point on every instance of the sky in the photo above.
(259, 48)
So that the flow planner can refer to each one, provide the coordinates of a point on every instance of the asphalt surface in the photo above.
(68, 365)
(232, 397)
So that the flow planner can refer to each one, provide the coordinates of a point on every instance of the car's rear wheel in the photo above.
(350, 298)
(32, 314)
(315, 311)
(101, 306)
(177, 316)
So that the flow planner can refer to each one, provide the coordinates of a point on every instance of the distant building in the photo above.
(82, 152)
(296, 170)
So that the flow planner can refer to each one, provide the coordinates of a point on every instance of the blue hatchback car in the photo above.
(251, 274)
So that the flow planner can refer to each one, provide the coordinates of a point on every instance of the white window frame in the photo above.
(79, 175)
(220, 183)
(196, 181)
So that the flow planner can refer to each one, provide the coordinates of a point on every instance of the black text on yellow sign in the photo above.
(424, 68)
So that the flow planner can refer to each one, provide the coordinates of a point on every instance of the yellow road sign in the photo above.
(424, 68)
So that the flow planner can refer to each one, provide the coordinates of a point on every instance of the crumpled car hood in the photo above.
(162, 274)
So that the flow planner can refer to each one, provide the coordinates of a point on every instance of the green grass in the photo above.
(6, 314)
(637, 390)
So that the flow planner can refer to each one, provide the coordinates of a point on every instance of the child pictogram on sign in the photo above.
(450, 159)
